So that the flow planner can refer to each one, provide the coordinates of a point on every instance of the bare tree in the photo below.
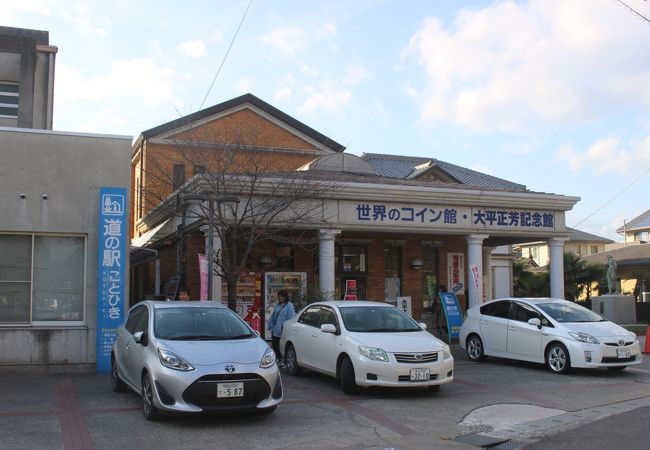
(275, 202)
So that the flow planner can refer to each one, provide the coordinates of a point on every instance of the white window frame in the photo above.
(9, 94)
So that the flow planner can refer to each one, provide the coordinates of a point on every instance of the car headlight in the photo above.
(173, 361)
(268, 359)
(584, 337)
(446, 352)
(376, 354)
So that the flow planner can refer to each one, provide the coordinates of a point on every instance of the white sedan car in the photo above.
(557, 332)
(364, 343)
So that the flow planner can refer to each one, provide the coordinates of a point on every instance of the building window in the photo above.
(41, 279)
(178, 176)
(199, 169)
(284, 258)
(594, 249)
(8, 100)
(430, 271)
(392, 272)
(641, 236)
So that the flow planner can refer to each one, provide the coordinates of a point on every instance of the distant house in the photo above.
(580, 244)
(637, 230)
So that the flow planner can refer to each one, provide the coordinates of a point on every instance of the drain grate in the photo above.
(481, 440)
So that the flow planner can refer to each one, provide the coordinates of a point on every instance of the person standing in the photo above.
(282, 312)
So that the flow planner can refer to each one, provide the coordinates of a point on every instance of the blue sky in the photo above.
(554, 95)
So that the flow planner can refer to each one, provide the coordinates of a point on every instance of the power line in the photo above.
(633, 10)
(226, 55)
(613, 198)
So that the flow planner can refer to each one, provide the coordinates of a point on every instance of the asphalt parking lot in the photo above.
(497, 399)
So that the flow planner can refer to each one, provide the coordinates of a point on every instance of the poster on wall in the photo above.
(111, 276)
(456, 272)
(295, 283)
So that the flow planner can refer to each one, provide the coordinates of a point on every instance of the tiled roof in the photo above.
(640, 221)
(581, 236)
(397, 166)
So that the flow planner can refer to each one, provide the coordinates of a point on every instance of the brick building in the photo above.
(395, 226)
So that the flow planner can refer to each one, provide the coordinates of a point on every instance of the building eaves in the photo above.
(582, 236)
(639, 222)
(237, 101)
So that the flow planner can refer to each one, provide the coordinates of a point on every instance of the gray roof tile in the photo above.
(397, 166)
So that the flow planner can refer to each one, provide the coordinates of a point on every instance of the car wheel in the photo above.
(116, 382)
(474, 348)
(348, 384)
(557, 358)
(434, 388)
(291, 361)
(148, 408)
(617, 368)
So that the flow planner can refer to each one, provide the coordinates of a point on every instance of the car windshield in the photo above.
(371, 319)
(183, 324)
(568, 312)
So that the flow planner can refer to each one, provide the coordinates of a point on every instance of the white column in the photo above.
(475, 260)
(327, 262)
(216, 250)
(556, 266)
(487, 272)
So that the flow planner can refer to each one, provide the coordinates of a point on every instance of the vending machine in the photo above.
(249, 294)
(294, 282)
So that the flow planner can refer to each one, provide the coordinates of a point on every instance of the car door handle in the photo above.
(313, 335)
(512, 329)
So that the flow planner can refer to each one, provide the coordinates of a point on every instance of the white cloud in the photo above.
(513, 64)
(329, 97)
(288, 40)
(307, 70)
(193, 49)
(137, 79)
(332, 95)
(43, 7)
(327, 29)
(285, 87)
(607, 155)
(355, 74)
(244, 85)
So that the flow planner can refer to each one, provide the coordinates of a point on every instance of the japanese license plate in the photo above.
(623, 352)
(227, 390)
(419, 374)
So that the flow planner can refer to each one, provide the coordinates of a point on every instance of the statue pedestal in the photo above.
(615, 307)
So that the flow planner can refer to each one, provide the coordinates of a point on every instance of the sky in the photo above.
(551, 94)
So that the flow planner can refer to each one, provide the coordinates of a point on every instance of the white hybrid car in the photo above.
(556, 332)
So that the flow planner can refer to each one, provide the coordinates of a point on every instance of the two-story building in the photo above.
(394, 226)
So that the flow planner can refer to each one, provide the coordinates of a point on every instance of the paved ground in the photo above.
(498, 399)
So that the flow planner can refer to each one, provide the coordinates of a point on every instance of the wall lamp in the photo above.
(416, 263)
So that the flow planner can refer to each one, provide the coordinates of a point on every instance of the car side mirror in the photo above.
(423, 325)
(536, 322)
(138, 336)
(328, 328)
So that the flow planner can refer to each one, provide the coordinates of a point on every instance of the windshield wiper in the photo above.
(239, 336)
(196, 337)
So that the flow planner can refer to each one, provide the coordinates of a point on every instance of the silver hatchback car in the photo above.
(193, 357)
